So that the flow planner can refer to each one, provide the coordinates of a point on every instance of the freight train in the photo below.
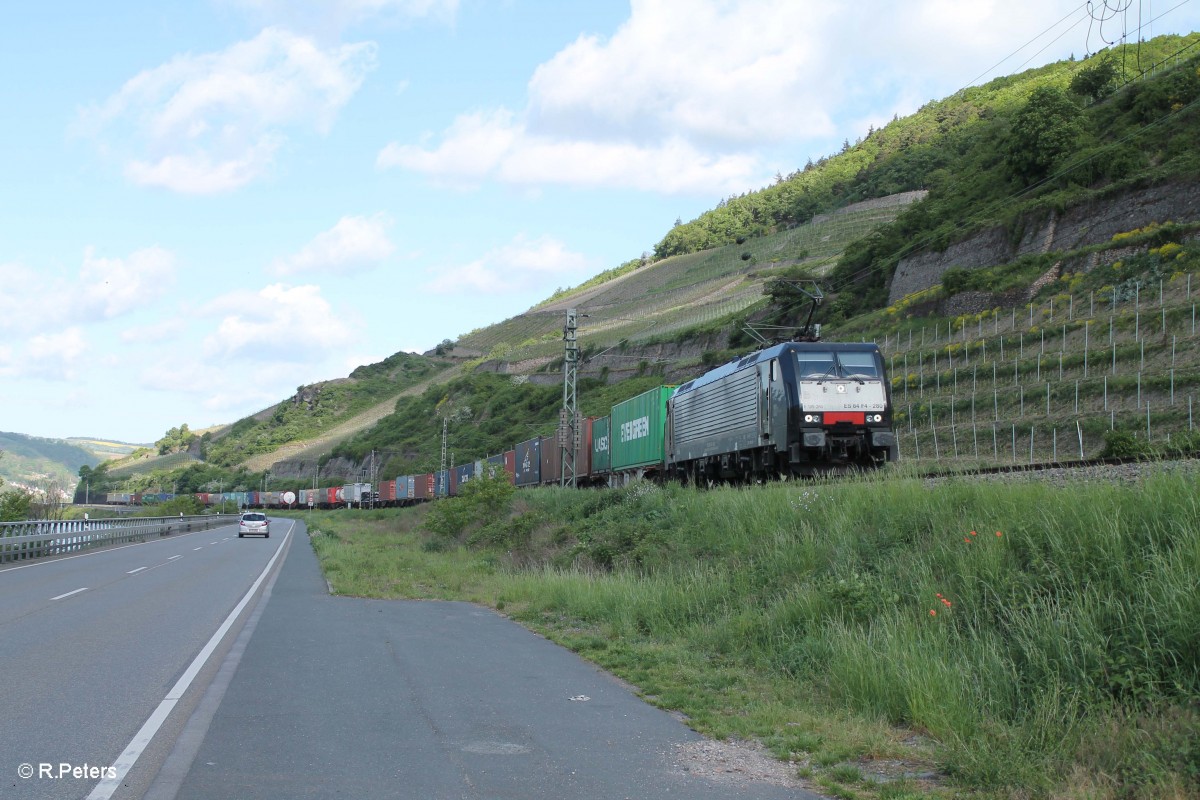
(792, 410)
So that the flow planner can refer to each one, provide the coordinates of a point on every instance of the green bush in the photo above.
(1122, 444)
(479, 501)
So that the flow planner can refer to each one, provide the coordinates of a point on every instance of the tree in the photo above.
(175, 440)
(1097, 81)
(1046, 129)
(15, 504)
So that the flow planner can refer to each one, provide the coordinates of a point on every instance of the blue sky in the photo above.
(207, 203)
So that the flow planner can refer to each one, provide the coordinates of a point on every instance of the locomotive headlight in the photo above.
(875, 418)
(812, 418)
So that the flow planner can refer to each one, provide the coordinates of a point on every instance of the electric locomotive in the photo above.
(798, 408)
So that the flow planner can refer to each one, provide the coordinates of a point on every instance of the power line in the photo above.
(987, 71)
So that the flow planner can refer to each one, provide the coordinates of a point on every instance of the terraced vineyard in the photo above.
(683, 291)
(143, 466)
(1048, 381)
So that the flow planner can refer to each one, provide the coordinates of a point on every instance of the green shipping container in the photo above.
(638, 429)
(601, 454)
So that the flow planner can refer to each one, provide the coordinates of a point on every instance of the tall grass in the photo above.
(1032, 631)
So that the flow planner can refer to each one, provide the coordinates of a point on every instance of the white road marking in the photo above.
(100, 552)
(132, 571)
(68, 594)
(194, 549)
(141, 740)
(172, 558)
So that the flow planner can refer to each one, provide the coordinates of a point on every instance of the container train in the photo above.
(792, 410)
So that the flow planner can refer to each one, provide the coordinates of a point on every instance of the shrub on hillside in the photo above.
(479, 502)
(1123, 444)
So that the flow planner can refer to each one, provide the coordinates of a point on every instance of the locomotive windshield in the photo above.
(815, 365)
(858, 365)
(824, 364)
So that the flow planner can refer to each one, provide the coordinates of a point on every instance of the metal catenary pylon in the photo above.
(442, 468)
(570, 425)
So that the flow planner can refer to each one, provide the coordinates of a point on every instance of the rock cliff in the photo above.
(1085, 224)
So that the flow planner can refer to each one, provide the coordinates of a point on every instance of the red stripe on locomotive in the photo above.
(853, 417)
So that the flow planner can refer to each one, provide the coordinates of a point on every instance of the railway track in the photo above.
(1126, 468)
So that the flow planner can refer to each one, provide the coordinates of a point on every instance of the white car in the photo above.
(255, 523)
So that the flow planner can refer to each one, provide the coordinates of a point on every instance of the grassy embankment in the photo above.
(1053, 652)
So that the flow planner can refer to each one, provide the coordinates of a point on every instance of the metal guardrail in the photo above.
(20, 541)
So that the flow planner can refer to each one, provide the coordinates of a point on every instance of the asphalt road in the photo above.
(313, 696)
(90, 645)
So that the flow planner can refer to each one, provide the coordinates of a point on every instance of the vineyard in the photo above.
(681, 292)
(143, 466)
(1051, 380)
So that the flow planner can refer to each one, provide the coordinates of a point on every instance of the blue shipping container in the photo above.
(529, 463)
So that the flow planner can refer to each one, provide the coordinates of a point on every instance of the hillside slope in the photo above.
(974, 183)
(294, 458)
(37, 463)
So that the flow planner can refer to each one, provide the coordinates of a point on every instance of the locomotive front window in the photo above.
(816, 365)
(858, 365)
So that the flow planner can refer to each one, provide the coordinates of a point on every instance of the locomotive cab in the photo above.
(843, 413)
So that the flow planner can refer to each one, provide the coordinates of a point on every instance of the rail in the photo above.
(20, 541)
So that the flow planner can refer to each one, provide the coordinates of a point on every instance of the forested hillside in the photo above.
(1051, 136)
(33, 462)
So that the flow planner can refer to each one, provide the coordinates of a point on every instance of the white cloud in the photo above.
(675, 101)
(473, 147)
(21, 307)
(353, 244)
(672, 166)
(103, 289)
(52, 356)
(213, 122)
(66, 346)
(113, 287)
(277, 323)
(199, 173)
(513, 267)
(479, 146)
(716, 72)
(698, 96)
(724, 73)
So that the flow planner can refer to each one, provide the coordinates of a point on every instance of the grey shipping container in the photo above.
(551, 461)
